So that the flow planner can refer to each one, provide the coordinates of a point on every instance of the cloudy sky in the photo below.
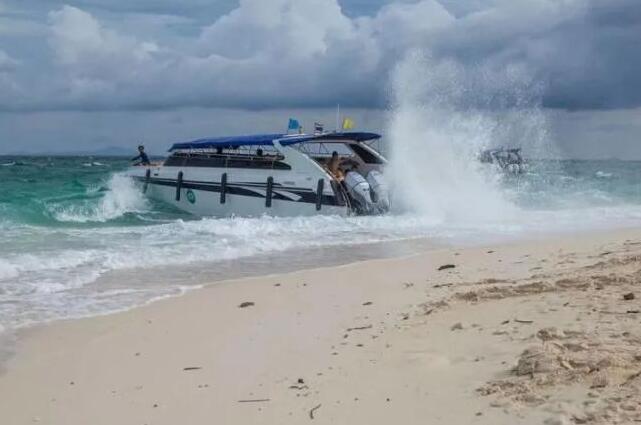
(87, 74)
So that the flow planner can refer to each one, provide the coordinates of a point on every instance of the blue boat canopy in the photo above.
(268, 139)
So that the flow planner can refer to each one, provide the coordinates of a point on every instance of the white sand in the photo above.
(377, 342)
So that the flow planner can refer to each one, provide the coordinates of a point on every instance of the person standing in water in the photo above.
(142, 156)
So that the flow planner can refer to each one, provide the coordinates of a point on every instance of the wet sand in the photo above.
(529, 332)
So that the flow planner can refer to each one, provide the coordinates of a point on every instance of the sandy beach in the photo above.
(543, 332)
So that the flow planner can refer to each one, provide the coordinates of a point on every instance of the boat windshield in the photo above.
(322, 151)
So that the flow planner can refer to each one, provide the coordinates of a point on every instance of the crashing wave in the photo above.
(121, 197)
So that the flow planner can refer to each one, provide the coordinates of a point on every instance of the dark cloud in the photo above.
(606, 73)
(169, 7)
(260, 54)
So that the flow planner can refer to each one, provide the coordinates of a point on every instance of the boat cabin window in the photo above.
(319, 150)
(322, 151)
(253, 157)
(366, 156)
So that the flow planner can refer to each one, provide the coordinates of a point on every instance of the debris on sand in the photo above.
(446, 266)
(311, 412)
(359, 328)
(537, 359)
(548, 334)
(600, 381)
(299, 387)
(457, 326)
(246, 304)
(629, 296)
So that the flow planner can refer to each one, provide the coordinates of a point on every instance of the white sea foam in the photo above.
(93, 252)
(47, 283)
(8, 270)
(121, 197)
(603, 174)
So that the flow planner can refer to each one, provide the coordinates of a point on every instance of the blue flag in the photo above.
(293, 124)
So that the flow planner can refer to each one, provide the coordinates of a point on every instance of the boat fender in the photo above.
(319, 194)
(179, 184)
(270, 192)
(223, 188)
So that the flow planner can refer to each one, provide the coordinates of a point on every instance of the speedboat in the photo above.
(274, 174)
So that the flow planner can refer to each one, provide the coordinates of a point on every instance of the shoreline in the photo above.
(365, 320)
(328, 256)
(369, 252)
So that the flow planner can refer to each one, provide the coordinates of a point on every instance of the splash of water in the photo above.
(443, 114)
(120, 197)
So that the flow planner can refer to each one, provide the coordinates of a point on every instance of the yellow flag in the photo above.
(348, 124)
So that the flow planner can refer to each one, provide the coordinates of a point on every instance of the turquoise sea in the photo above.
(77, 238)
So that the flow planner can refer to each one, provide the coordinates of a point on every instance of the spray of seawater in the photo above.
(119, 197)
(442, 115)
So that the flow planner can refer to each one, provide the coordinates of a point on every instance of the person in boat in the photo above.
(142, 156)
(334, 166)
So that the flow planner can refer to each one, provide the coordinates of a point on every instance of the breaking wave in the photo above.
(119, 197)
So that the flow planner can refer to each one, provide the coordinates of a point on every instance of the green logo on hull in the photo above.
(191, 197)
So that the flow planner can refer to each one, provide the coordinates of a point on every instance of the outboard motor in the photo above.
(360, 191)
(379, 190)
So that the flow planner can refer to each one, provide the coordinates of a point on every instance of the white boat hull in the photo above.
(202, 195)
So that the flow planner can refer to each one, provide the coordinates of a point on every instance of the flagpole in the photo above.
(338, 115)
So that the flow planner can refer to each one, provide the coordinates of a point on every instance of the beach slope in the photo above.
(537, 332)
